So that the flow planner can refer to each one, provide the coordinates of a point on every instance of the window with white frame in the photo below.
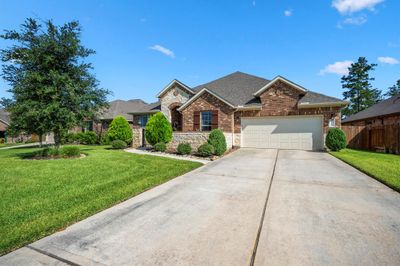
(205, 120)
(332, 122)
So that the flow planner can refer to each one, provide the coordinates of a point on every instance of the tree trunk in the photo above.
(40, 140)
(57, 139)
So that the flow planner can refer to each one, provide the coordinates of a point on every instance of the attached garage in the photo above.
(283, 132)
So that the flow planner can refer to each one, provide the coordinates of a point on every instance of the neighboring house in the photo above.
(4, 123)
(375, 128)
(116, 108)
(251, 111)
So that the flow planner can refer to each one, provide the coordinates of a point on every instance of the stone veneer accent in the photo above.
(195, 139)
(137, 137)
(173, 97)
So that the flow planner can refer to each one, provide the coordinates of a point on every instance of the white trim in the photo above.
(325, 104)
(244, 108)
(199, 94)
(170, 85)
(280, 78)
(1, 120)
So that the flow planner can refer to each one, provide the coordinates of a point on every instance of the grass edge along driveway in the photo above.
(381, 166)
(40, 197)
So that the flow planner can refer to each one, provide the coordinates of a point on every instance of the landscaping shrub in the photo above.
(161, 146)
(2, 140)
(69, 138)
(104, 140)
(70, 151)
(120, 130)
(118, 144)
(87, 138)
(184, 148)
(28, 141)
(158, 129)
(218, 141)
(206, 150)
(335, 139)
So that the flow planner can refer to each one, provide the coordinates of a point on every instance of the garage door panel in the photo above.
(301, 132)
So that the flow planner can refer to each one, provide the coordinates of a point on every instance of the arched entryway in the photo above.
(176, 117)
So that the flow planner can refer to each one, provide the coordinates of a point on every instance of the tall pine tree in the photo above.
(393, 90)
(51, 85)
(358, 89)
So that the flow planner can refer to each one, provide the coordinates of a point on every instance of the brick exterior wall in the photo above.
(207, 102)
(3, 126)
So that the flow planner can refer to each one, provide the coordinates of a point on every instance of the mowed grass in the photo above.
(40, 197)
(381, 166)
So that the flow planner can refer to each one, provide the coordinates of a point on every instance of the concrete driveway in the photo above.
(316, 210)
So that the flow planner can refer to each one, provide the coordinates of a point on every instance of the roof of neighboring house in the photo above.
(121, 107)
(4, 116)
(148, 108)
(383, 108)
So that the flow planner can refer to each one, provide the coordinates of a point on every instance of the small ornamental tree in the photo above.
(158, 129)
(218, 141)
(335, 139)
(120, 130)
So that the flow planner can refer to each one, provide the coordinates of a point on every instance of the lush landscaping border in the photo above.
(380, 166)
(40, 197)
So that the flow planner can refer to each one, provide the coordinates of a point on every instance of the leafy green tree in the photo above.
(358, 87)
(120, 130)
(393, 90)
(158, 129)
(51, 85)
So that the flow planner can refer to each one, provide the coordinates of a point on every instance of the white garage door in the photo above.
(296, 132)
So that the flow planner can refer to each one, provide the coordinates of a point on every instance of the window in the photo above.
(205, 121)
(143, 120)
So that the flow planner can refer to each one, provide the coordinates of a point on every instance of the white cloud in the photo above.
(388, 60)
(351, 6)
(353, 21)
(340, 68)
(288, 12)
(163, 50)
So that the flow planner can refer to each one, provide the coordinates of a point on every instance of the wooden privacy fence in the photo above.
(383, 137)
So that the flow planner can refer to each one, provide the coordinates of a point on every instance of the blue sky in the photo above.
(142, 45)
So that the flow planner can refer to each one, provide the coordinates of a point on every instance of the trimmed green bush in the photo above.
(2, 140)
(161, 146)
(184, 148)
(158, 129)
(120, 130)
(87, 138)
(104, 140)
(335, 139)
(70, 151)
(218, 141)
(118, 144)
(206, 150)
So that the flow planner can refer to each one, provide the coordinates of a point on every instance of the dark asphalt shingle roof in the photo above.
(121, 107)
(148, 108)
(4, 116)
(386, 107)
(314, 97)
(236, 88)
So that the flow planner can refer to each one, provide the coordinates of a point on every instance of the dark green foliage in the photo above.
(359, 90)
(393, 90)
(104, 140)
(184, 148)
(28, 141)
(2, 140)
(70, 151)
(206, 150)
(70, 138)
(158, 129)
(118, 144)
(161, 146)
(120, 130)
(52, 87)
(87, 138)
(218, 141)
(335, 139)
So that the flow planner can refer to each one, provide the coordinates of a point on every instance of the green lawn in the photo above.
(40, 197)
(381, 166)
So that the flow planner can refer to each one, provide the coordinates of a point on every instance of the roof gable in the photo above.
(171, 84)
(204, 90)
(276, 79)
